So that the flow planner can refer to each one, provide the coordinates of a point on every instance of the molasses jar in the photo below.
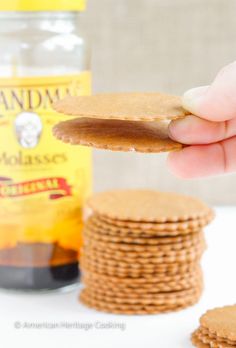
(43, 182)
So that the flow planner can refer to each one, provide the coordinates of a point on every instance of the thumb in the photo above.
(216, 102)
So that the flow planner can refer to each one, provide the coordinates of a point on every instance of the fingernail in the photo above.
(191, 100)
(178, 129)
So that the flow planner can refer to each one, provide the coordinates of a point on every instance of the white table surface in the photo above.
(159, 331)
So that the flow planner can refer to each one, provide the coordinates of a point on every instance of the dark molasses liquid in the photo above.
(48, 267)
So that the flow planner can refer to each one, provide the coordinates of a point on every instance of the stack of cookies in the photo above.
(217, 329)
(142, 251)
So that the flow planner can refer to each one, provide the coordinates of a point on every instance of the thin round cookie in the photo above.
(137, 265)
(147, 206)
(174, 298)
(149, 137)
(197, 342)
(123, 232)
(168, 228)
(206, 332)
(161, 286)
(155, 229)
(214, 342)
(119, 272)
(130, 309)
(157, 250)
(123, 106)
(146, 257)
(221, 322)
(157, 297)
(101, 237)
(142, 281)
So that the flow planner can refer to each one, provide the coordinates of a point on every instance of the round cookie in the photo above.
(173, 298)
(139, 265)
(149, 137)
(131, 309)
(135, 250)
(147, 206)
(221, 322)
(148, 228)
(186, 256)
(123, 106)
(214, 342)
(161, 286)
(134, 282)
(100, 236)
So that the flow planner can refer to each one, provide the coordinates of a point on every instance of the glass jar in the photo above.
(43, 183)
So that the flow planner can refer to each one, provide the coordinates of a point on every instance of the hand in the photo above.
(212, 135)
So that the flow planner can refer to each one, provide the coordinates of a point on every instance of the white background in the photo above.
(156, 331)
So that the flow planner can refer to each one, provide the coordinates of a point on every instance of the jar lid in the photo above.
(42, 5)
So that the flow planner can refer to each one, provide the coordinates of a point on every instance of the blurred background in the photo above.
(158, 45)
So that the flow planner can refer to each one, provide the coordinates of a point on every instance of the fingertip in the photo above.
(191, 99)
(183, 130)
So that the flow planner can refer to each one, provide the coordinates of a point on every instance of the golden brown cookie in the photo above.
(131, 309)
(148, 228)
(206, 332)
(147, 257)
(100, 236)
(140, 281)
(197, 342)
(136, 250)
(149, 266)
(173, 298)
(164, 284)
(123, 106)
(149, 137)
(147, 206)
(221, 322)
(214, 342)
(122, 232)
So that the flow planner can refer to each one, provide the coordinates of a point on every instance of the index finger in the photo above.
(216, 102)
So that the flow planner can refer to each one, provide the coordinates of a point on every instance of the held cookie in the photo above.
(123, 106)
(149, 137)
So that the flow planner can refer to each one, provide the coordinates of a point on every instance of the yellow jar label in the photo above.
(43, 182)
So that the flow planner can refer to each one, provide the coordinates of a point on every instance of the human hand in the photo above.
(212, 133)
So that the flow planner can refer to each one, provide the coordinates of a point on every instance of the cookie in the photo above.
(197, 342)
(173, 298)
(149, 266)
(154, 229)
(123, 106)
(145, 251)
(207, 333)
(119, 272)
(132, 289)
(131, 309)
(100, 236)
(146, 257)
(147, 206)
(139, 281)
(162, 229)
(154, 297)
(221, 322)
(132, 234)
(149, 137)
(214, 342)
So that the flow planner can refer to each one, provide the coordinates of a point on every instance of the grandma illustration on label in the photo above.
(28, 128)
